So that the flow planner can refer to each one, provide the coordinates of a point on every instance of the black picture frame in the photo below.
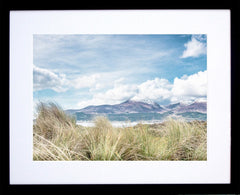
(232, 188)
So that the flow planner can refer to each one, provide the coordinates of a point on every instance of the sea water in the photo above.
(132, 119)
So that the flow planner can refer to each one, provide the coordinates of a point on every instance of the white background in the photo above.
(214, 23)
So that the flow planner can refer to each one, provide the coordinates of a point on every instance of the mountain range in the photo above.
(131, 106)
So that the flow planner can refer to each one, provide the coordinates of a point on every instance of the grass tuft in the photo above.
(57, 137)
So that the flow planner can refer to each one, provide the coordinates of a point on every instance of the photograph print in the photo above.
(120, 97)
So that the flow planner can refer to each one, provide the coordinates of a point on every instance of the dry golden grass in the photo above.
(57, 137)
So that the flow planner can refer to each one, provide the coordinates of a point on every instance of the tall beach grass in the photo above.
(57, 137)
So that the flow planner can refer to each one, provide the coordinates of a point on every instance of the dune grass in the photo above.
(56, 137)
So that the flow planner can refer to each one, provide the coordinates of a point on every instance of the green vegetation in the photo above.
(57, 137)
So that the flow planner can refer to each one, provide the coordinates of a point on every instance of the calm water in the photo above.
(131, 119)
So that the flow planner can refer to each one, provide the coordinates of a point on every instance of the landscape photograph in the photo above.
(119, 97)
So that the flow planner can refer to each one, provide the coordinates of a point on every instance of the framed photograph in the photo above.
(120, 97)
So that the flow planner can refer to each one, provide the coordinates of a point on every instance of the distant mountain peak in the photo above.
(174, 105)
(147, 101)
(197, 106)
(143, 106)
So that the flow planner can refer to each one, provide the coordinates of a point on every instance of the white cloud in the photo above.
(118, 94)
(45, 79)
(157, 89)
(195, 47)
(86, 81)
(185, 89)
(119, 81)
(189, 88)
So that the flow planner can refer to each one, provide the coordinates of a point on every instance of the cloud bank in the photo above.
(189, 88)
(45, 79)
(157, 89)
(185, 89)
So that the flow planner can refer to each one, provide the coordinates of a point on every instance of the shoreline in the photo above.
(123, 124)
(118, 123)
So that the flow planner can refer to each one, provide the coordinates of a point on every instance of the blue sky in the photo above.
(80, 70)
